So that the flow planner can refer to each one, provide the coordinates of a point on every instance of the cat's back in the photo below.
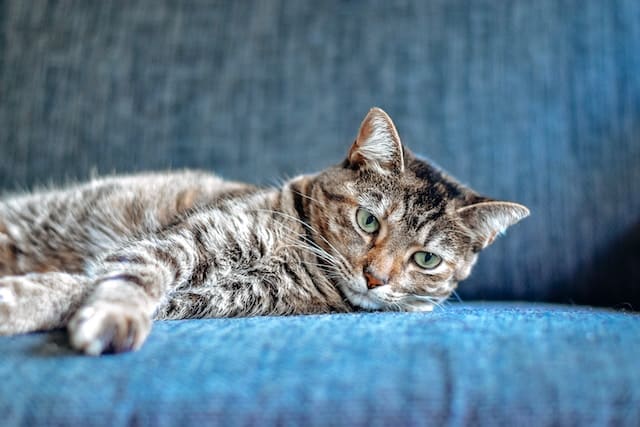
(54, 229)
(147, 202)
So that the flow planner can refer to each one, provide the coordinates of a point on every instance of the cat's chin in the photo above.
(367, 302)
(357, 293)
(420, 306)
(360, 296)
(364, 301)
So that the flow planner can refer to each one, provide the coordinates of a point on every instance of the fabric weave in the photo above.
(477, 364)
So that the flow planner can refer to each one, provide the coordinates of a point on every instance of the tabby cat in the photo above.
(383, 230)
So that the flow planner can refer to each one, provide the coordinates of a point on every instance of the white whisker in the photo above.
(455, 294)
(335, 254)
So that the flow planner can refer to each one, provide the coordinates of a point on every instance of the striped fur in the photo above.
(106, 257)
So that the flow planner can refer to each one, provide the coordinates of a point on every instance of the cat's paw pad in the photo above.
(108, 327)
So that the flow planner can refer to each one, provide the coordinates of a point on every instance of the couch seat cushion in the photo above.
(479, 363)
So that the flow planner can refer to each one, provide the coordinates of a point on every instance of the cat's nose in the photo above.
(373, 280)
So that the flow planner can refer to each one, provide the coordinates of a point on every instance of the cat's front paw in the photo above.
(106, 327)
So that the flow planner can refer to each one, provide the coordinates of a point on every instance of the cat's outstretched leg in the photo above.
(129, 286)
(39, 301)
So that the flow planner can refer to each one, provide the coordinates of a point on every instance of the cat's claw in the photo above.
(105, 327)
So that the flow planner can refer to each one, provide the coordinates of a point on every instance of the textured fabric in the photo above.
(511, 365)
(536, 101)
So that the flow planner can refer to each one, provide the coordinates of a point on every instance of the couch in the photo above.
(537, 102)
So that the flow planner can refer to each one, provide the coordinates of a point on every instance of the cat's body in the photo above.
(383, 230)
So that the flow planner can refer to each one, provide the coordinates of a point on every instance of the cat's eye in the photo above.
(367, 221)
(427, 260)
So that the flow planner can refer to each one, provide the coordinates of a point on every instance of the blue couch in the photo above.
(477, 364)
(537, 102)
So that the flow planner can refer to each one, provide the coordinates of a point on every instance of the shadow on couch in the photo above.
(610, 277)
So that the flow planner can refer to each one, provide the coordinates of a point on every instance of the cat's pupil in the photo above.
(370, 219)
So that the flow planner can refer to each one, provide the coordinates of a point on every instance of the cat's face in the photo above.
(401, 234)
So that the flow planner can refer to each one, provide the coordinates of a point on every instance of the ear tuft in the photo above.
(378, 145)
(487, 219)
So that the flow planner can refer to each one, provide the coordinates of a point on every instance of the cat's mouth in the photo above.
(380, 298)
(357, 293)
(363, 300)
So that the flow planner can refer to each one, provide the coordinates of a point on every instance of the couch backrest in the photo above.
(537, 102)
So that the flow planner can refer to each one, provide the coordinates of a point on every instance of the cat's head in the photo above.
(401, 234)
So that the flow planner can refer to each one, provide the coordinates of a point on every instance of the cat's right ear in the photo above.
(377, 146)
(488, 219)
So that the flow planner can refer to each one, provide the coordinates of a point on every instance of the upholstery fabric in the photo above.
(534, 101)
(477, 364)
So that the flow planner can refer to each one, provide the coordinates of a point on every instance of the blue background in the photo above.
(537, 102)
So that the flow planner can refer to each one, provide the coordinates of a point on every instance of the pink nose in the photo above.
(373, 280)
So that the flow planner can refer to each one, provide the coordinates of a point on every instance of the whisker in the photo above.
(455, 294)
(297, 220)
(333, 263)
(304, 224)
(306, 196)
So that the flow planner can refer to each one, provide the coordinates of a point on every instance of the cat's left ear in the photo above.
(487, 219)
(378, 145)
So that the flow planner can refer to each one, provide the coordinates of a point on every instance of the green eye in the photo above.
(367, 221)
(427, 260)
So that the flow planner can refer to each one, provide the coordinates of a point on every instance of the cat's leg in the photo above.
(39, 301)
(129, 286)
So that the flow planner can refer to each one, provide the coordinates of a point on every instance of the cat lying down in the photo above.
(383, 230)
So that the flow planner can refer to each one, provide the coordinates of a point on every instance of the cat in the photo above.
(383, 230)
